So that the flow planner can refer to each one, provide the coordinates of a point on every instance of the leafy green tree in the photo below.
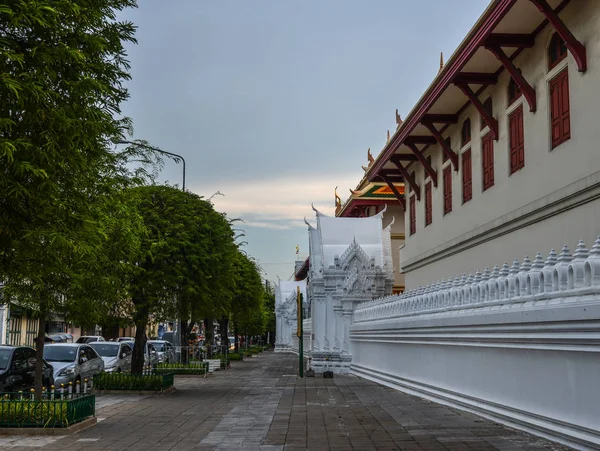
(185, 259)
(269, 312)
(246, 300)
(62, 72)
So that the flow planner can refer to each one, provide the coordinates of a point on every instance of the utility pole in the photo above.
(300, 333)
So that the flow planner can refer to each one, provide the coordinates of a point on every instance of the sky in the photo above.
(274, 103)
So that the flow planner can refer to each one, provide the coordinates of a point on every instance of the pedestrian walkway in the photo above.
(260, 404)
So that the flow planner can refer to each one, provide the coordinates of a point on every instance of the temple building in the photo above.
(499, 155)
(369, 199)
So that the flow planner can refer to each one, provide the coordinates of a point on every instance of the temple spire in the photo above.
(398, 120)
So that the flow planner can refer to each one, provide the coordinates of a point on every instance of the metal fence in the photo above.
(53, 410)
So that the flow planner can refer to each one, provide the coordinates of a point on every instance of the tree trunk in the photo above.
(224, 327)
(236, 337)
(139, 346)
(39, 357)
(209, 333)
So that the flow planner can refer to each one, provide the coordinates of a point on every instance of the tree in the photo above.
(247, 296)
(269, 312)
(184, 263)
(62, 69)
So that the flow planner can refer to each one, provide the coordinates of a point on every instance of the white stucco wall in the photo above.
(547, 171)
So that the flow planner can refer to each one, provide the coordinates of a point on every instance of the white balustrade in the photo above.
(559, 276)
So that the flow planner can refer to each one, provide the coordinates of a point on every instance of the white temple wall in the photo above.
(520, 345)
(553, 232)
(549, 174)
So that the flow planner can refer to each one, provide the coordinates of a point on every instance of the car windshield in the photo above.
(105, 350)
(60, 353)
(82, 340)
(160, 347)
(4, 358)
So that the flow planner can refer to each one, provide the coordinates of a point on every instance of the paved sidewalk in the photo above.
(260, 404)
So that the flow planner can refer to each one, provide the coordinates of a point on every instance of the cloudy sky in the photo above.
(273, 103)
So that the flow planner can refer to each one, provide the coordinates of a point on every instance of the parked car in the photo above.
(116, 356)
(168, 336)
(89, 339)
(17, 369)
(55, 338)
(125, 339)
(150, 354)
(73, 362)
(165, 350)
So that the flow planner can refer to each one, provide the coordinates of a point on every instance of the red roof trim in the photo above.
(478, 36)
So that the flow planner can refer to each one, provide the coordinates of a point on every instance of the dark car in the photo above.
(17, 369)
(89, 339)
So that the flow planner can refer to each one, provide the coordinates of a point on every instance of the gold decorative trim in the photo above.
(398, 236)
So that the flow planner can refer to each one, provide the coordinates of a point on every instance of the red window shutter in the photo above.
(487, 151)
(560, 111)
(565, 108)
(467, 176)
(517, 143)
(428, 209)
(413, 215)
(447, 189)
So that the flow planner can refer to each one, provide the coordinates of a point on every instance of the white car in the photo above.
(116, 356)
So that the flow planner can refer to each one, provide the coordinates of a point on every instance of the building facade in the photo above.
(503, 142)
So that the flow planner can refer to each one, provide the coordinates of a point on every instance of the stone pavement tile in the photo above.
(259, 405)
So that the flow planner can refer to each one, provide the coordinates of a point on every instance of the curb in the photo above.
(165, 392)
(50, 431)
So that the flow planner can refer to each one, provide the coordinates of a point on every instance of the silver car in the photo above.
(150, 354)
(73, 362)
(165, 350)
(116, 356)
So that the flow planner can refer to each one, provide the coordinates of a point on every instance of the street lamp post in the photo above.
(177, 158)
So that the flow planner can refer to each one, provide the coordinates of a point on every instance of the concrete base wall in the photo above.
(533, 366)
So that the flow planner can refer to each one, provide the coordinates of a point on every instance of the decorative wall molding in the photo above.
(558, 277)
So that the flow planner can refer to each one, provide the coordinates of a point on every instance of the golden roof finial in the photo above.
(441, 61)
(370, 157)
(355, 192)
(398, 120)
(338, 200)
(388, 136)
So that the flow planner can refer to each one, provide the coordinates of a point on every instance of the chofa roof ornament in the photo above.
(441, 61)
(398, 120)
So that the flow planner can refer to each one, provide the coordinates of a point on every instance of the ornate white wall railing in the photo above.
(559, 276)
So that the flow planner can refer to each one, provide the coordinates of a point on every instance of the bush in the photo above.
(236, 356)
(46, 413)
(182, 368)
(126, 381)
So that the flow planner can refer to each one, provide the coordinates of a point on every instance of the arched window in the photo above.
(557, 51)
(465, 133)
(514, 91)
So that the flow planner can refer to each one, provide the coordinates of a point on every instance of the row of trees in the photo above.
(81, 233)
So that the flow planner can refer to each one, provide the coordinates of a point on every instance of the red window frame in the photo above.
(467, 176)
(428, 204)
(465, 132)
(557, 51)
(487, 161)
(560, 110)
(412, 206)
(447, 180)
(514, 91)
(516, 140)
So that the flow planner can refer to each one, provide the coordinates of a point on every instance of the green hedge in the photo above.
(47, 413)
(126, 381)
(182, 368)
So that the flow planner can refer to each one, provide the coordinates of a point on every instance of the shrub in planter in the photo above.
(18, 411)
(126, 381)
